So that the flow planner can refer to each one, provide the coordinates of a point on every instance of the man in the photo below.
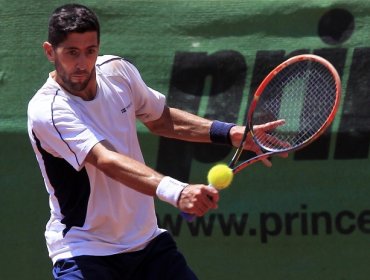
(82, 127)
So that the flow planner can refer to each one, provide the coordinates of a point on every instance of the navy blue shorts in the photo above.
(160, 260)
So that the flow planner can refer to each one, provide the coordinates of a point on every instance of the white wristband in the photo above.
(169, 190)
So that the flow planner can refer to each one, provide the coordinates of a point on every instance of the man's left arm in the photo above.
(178, 124)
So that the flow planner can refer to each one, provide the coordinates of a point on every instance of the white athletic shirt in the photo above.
(92, 214)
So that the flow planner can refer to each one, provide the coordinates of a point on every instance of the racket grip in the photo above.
(188, 217)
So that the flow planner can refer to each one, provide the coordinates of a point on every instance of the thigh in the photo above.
(84, 267)
(163, 261)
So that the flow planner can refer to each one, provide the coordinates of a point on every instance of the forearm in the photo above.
(144, 179)
(134, 174)
(124, 169)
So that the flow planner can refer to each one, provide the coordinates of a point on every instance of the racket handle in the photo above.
(188, 217)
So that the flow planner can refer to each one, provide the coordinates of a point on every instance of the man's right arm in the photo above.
(192, 199)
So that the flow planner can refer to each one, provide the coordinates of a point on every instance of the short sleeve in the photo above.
(149, 103)
(63, 134)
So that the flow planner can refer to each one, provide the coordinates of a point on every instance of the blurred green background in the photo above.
(307, 217)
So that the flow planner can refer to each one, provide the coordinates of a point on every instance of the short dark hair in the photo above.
(71, 18)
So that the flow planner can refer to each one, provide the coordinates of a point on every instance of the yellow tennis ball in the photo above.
(220, 176)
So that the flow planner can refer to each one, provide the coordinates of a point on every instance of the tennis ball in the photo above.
(220, 176)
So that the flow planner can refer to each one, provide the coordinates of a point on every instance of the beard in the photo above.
(69, 84)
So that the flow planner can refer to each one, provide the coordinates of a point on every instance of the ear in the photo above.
(49, 51)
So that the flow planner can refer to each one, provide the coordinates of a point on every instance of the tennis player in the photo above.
(82, 128)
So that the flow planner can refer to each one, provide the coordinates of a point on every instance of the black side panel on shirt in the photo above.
(72, 188)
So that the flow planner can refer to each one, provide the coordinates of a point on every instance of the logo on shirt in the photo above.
(124, 110)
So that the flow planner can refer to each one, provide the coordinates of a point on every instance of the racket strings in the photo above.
(304, 94)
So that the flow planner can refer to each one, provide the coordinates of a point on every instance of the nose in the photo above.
(81, 64)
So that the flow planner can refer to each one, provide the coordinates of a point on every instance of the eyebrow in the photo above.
(76, 48)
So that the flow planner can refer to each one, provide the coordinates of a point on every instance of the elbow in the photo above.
(163, 125)
(106, 164)
(103, 157)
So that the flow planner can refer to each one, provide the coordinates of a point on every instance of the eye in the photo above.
(91, 51)
(72, 52)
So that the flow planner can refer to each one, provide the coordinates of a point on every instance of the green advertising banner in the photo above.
(306, 217)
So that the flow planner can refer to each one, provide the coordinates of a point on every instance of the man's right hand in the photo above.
(198, 199)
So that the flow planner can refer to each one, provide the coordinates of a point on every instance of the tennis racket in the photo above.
(305, 92)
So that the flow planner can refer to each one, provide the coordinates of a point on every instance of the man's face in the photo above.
(74, 61)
